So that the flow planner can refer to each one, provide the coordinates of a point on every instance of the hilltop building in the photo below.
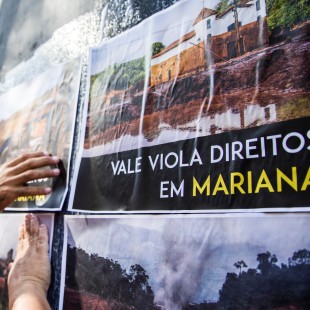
(215, 37)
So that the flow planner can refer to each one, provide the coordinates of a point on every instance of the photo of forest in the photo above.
(151, 263)
(267, 286)
(205, 89)
(114, 286)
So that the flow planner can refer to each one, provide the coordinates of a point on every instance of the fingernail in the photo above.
(55, 158)
(56, 171)
(46, 153)
(47, 190)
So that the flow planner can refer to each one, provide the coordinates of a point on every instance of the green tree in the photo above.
(301, 257)
(287, 13)
(269, 286)
(106, 278)
(157, 47)
(143, 296)
(266, 262)
(239, 265)
(222, 6)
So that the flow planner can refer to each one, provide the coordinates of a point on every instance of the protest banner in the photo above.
(199, 107)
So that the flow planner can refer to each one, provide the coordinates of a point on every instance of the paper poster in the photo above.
(186, 261)
(203, 106)
(39, 115)
(9, 228)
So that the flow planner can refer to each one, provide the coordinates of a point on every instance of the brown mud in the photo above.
(274, 75)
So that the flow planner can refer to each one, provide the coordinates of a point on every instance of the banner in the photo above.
(9, 229)
(200, 107)
(40, 115)
(186, 261)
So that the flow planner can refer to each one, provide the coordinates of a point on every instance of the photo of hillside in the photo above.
(236, 67)
(39, 115)
(45, 120)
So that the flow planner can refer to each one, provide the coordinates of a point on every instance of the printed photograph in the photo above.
(9, 228)
(39, 116)
(202, 106)
(252, 261)
(199, 68)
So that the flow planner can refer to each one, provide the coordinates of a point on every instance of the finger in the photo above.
(34, 226)
(34, 163)
(27, 224)
(24, 157)
(31, 175)
(29, 191)
(21, 232)
(21, 237)
(42, 244)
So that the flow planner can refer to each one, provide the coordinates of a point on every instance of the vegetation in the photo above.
(280, 13)
(118, 77)
(106, 278)
(222, 6)
(157, 47)
(287, 13)
(268, 286)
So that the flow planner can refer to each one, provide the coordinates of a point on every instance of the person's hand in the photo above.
(30, 273)
(15, 174)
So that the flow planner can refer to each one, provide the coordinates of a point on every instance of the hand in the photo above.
(15, 174)
(30, 274)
